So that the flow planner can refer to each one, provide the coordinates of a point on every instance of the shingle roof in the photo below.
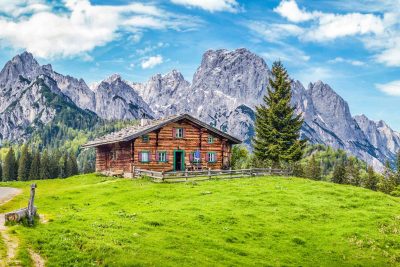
(135, 131)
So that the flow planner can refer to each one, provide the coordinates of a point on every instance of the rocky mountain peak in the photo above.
(113, 78)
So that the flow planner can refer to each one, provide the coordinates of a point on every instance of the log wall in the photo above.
(121, 157)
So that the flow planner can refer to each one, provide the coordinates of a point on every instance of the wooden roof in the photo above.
(135, 131)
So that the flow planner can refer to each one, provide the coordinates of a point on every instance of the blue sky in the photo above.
(354, 46)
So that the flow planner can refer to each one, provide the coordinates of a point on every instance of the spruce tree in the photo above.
(313, 169)
(54, 164)
(34, 173)
(24, 164)
(71, 167)
(45, 166)
(339, 173)
(62, 165)
(352, 173)
(372, 179)
(277, 127)
(398, 168)
(9, 166)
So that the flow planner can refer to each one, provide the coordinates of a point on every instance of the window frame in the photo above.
(209, 158)
(148, 156)
(145, 138)
(210, 139)
(159, 158)
(179, 130)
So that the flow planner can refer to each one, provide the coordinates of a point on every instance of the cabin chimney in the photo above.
(144, 122)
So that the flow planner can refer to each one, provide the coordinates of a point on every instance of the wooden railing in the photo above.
(184, 176)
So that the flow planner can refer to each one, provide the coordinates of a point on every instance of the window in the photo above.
(210, 139)
(211, 157)
(145, 138)
(144, 156)
(179, 133)
(162, 156)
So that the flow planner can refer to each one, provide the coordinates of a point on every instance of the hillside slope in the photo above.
(95, 220)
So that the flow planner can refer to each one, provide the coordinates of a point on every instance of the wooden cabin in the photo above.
(175, 143)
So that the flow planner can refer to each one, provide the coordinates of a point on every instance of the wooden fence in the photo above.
(185, 176)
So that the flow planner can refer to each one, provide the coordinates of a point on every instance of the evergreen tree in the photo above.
(313, 169)
(34, 173)
(372, 179)
(387, 182)
(54, 164)
(398, 168)
(24, 164)
(352, 173)
(71, 167)
(298, 169)
(62, 165)
(9, 166)
(277, 127)
(45, 166)
(339, 173)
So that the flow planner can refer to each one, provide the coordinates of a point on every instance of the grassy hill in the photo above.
(94, 220)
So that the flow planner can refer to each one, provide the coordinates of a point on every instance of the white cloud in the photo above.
(379, 33)
(274, 32)
(290, 10)
(348, 61)
(16, 8)
(82, 27)
(329, 26)
(312, 74)
(391, 88)
(151, 62)
(287, 54)
(210, 5)
(151, 48)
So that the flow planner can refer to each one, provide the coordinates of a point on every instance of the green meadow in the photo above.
(92, 220)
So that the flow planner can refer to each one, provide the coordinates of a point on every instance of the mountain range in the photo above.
(224, 92)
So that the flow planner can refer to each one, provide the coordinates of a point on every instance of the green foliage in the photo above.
(24, 164)
(313, 170)
(372, 179)
(45, 166)
(268, 221)
(34, 172)
(339, 173)
(10, 166)
(239, 158)
(277, 128)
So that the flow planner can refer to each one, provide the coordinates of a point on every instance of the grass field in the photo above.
(275, 221)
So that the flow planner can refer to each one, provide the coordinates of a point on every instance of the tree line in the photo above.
(31, 164)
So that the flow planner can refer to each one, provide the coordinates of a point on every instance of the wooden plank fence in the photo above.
(185, 176)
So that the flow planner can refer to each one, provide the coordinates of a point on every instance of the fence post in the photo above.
(31, 207)
(186, 174)
(230, 172)
(162, 176)
(209, 173)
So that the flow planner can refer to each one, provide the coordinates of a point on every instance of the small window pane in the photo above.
(179, 133)
(162, 156)
(145, 156)
(145, 138)
(211, 157)
(210, 139)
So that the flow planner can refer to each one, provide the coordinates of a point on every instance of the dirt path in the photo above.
(11, 242)
(6, 194)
